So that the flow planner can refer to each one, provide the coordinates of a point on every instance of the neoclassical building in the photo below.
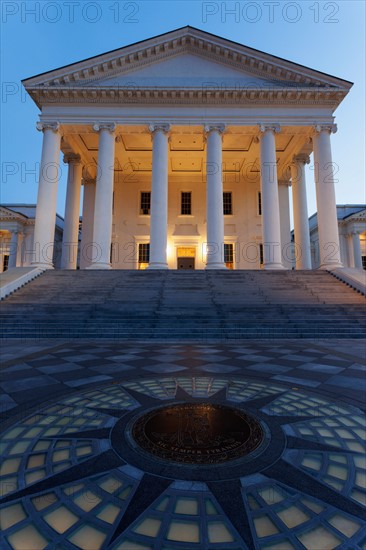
(17, 223)
(352, 235)
(185, 146)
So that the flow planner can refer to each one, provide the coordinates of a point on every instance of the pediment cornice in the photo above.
(356, 217)
(280, 72)
(9, 215)
(189, 96)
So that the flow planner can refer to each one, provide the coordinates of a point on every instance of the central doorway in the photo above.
(186, 257)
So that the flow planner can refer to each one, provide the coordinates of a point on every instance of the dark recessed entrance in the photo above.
(198, 433)
(186, 263)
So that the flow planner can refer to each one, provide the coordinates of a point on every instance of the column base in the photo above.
(99, 266)
(273, 266)
(330, 266)
(216, 265)
(42, 265)
(157, 265)
(303, 268)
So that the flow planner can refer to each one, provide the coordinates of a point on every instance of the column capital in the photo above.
(276, 128)
(302, 158)
(159, 127)
(72, 158)
(287, 183)
(15, 231)
(110, 126)
(330, 128)
(42, 126)
(355, 232)
(214, 128)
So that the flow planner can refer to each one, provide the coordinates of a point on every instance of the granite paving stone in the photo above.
(215, 357)
(6, 403)
(74, 358)
(253, 358)
(122, 357)
(19, 374)
(335, 362)
(27, 383)
(109, 369)
(356, 384)
(18, 367)
(47, 362)
(168, 358)
(294, 357)
(53, 369)
(269, 367)
(357, 366)
(90, 380)
(95, 362)
(297, 381)
(165, 368)
(219, 367)
(317, 367)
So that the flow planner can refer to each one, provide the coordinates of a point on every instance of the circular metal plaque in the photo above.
(197, 433)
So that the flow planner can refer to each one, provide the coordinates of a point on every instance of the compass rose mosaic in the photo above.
(185, 462)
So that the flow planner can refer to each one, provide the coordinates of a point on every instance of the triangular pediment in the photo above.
(8, 214)
(153, 58)
(185, 70)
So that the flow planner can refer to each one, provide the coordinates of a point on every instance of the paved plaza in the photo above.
(75, 477)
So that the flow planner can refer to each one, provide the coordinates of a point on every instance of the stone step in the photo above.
(195, 305)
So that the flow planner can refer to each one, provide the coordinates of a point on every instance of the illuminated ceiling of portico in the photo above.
(187, 150)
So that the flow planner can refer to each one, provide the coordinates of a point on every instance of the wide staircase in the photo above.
(178, 305)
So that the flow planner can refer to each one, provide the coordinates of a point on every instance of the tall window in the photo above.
(228, 203)
(144, 255)
(145, 202)
(186, 203)
(261, 257)
(259, 203)
(229, 255)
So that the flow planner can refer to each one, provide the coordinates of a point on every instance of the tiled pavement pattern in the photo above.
(47, 371)
(311, 497)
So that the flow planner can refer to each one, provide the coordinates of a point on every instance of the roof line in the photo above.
(176, 30)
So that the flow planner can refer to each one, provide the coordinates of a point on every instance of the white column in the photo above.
(344, 249)
(301, 218)
(27, 246)
(284, 205)
(159, 197)
(214, 198)
(357, 249)
(86, 247)
(13, 249)
(72, 210)
(49, 173)
(325, 198)
(350, 250)
(102, 230)
(270, 200)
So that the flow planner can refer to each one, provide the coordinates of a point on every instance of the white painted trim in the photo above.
(18, 282)
(354, 277)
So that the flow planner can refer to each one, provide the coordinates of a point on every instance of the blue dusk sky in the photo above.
(39, 36)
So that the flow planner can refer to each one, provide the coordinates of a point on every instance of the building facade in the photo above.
(185, 146)
(352, 236)
(17, 223)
